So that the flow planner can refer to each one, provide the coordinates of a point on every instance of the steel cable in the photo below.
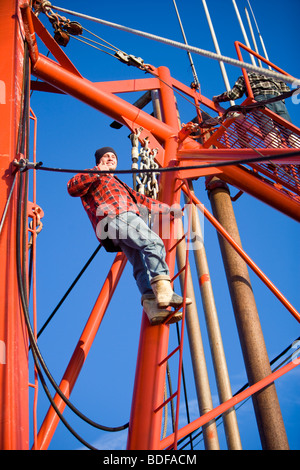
(196, 50)
(39, 166)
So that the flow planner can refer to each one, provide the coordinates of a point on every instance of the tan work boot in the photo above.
(155, 315)
(165, 296)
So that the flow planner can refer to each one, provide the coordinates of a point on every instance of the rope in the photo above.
(187, 47)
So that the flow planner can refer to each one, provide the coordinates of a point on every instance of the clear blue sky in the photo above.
(68, 134)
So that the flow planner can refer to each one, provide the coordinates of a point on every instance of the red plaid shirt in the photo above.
(105, 195)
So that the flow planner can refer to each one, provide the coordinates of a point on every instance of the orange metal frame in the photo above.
(146, 412)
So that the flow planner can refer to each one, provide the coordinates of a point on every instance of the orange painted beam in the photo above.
(89, 93)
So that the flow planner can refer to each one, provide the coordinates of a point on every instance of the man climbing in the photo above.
(264, 88)
(112, 207)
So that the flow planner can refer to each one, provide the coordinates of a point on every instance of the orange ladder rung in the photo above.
(178, 274)
(166, 402)
(169, 355)
(177, 243)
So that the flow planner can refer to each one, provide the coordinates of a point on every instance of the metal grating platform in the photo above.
(256, 130)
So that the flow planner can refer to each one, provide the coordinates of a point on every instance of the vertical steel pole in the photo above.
(217, 48)
(243, 30)
(266, 405)
(204, 397)
(14, 418)
(259, 34)
(252, 36)
(214, 333)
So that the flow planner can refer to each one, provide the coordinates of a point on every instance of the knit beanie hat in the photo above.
(100, 152)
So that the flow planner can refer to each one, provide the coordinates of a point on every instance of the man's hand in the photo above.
(103, 167)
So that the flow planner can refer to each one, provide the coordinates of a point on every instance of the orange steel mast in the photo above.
(175, 149)
(14, 432)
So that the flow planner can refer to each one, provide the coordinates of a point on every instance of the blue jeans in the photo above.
(277, 107)
(143, 248)
(265, 123)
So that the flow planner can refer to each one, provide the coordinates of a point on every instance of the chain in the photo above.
(145, 183)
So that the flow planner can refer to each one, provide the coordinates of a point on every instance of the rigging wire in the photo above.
(112, 47)
(196, 80)
(196, 50)
(185, 391)
(91, 45)
(87, 41)
(259, 33)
